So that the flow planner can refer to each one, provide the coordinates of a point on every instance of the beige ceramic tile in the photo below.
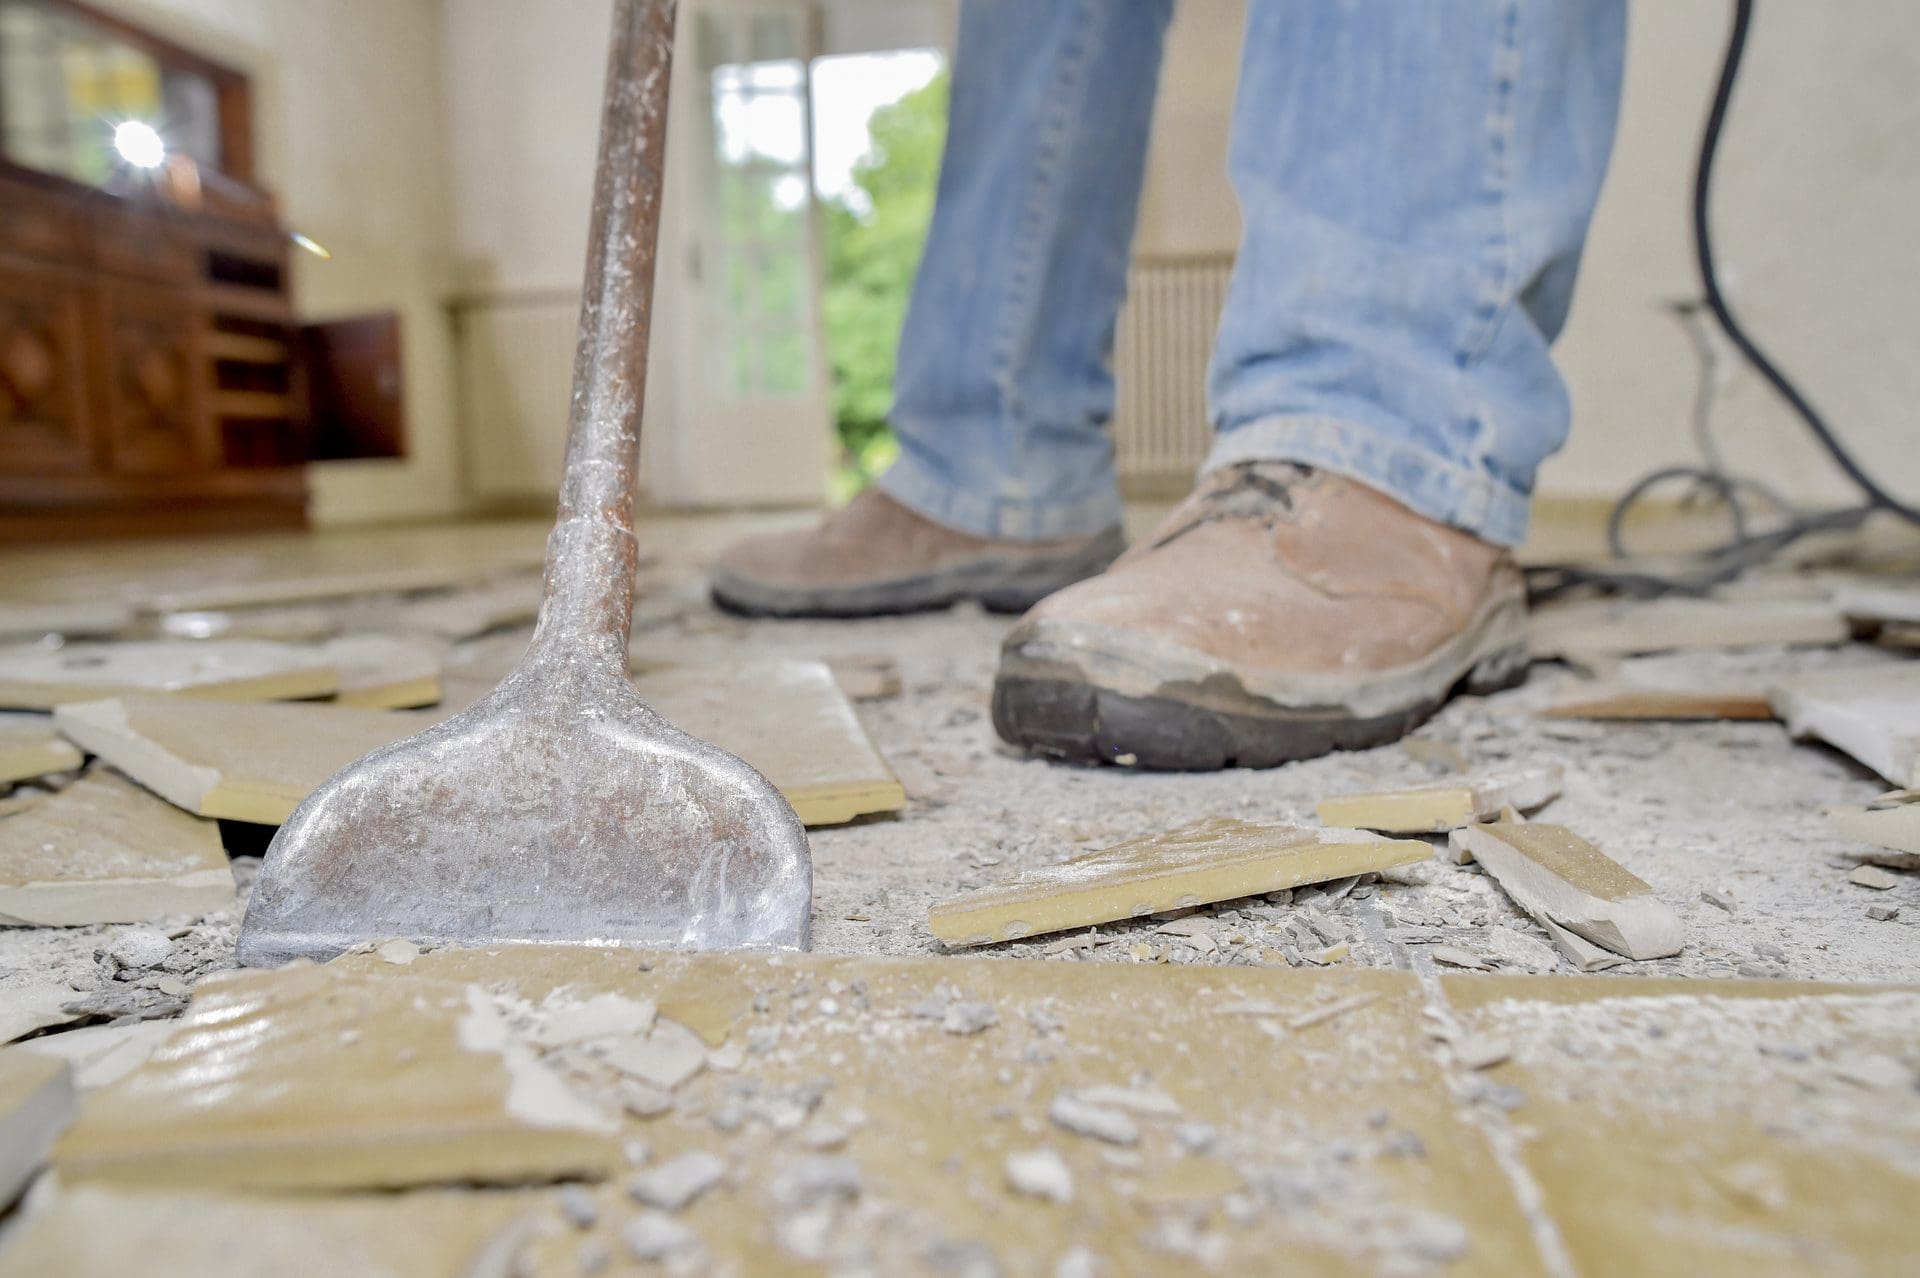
(30, 747)
(1435, 809)
(384, 672)
(1699, 1128)
(1871, 712)
(93, 1231)
(36, 1104)
(1218, 859)
(465, 614)
(71, 619)
(239, 572)
(29, 1005)
(1559, 878)
(1888, 829)
(243, 762)
(297, 623)
(321, 1078)
(104, 850)
(864, 1111)
(101, 1054)
(791, 721)
(37, 678)
(1661, 703)
(1605, 627)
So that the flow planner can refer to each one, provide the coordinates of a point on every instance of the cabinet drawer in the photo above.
(37, 225)
(144, 246)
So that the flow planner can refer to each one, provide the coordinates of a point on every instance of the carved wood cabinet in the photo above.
(153, 374)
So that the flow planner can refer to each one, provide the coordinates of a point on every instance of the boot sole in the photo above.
(1072, 717)
(998, 586)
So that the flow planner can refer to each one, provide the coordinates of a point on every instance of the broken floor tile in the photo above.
(36, 1104)
(1606, 628)
(465, 614)
(1435, 809)
(94, 1231)
(1871, 712)
(1621, 702)
(1668, 1135)
(37, 678)
(1889, 826)
(103, 850)
(323, 1078)
(1872, 876)
(71, 619)
(27, 1007)
(31, 747)
(1219, 859)
(677, 1182)
(101, 1054)
(922, 1168)
(382, 672)
(225, 759)
(1554, 874)
(791, 721)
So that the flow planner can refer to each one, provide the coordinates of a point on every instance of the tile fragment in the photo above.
(1870, 712)
(675, 1184)
(1435, 809)
(37, 678)
(1889, 829)
(1555, 875)
(37, 1101)
(1872, 876)
(30, 747)
(104, 850)
(1218, 859)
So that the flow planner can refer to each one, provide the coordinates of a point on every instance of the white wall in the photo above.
(348, 133)
(1815, 200)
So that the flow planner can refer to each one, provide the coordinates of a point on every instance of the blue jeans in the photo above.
(1415, 182)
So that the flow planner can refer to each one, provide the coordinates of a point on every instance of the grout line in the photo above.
(1501, 1138)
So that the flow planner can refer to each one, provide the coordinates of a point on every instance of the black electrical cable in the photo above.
(1877, 497)
(1720, 564)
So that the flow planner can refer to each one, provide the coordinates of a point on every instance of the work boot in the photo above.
(1278, 613)
(875, 556)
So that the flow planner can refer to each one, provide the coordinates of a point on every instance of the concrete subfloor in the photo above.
(1728, 811)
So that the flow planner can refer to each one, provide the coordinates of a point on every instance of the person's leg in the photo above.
(1416, 182)
(1004, 488)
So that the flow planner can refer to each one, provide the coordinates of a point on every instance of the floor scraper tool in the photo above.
(561, 808)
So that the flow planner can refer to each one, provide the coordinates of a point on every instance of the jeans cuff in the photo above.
(986, 515)
(1424, 482)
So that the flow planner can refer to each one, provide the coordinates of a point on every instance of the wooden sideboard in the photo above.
(154, 376)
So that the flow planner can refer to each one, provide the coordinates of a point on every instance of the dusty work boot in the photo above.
(875, 556)
(1278, 613)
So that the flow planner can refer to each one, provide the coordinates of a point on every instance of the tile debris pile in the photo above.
(1215, 1060)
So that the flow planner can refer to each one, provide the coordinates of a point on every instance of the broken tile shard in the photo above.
(1871, 712)
(382, 672)
(29, 1007)
(1070, 1113)
(1219, 859)
(1889, 827)
(795, 726)
(223, 759)
(37, 678)
(1555, 875)
(1436, 809)
(1603, 628)
(1663, 703)
(30, 747)
(425, 1083)
(36, 1103)
(1872, 876)
(103, 850)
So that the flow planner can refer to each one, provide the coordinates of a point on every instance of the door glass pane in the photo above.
(759, 297)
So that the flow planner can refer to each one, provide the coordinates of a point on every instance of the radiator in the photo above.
(1160, 430)
(515, 380)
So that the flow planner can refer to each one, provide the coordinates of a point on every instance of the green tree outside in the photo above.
(872, 255)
